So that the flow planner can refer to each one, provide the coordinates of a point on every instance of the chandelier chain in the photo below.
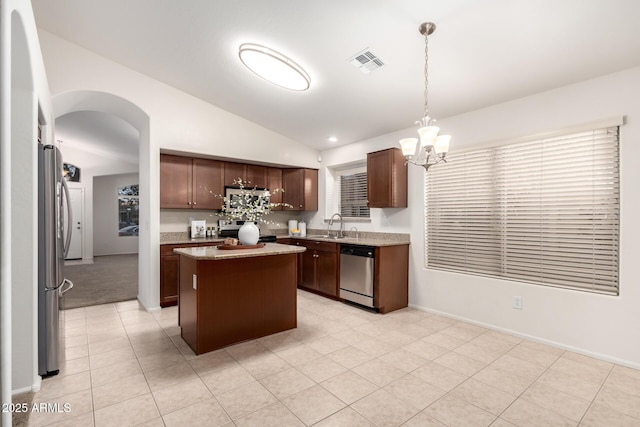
(426, 77)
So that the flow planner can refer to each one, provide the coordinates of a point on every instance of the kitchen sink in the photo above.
(324, 236)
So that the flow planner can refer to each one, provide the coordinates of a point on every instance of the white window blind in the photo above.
(353, 195)
(347, 191)
(544, 212)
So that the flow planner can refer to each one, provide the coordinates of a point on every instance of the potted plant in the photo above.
(250, 205)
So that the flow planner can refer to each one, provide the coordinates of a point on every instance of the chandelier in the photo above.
(433, 148)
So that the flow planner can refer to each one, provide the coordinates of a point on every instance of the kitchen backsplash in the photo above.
(177, 220)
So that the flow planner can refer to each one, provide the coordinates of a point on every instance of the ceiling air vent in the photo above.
(366, 61)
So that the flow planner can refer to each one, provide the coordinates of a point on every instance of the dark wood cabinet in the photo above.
(207, 184)
(391, 278)
(233, 171)
(176, 182)
(320, 269)
(170, 273)
(386, 179)
(300, 189)
(188, 183)
(274, 181)
(257, 176)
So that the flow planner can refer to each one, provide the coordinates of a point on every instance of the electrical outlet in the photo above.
(517, 302)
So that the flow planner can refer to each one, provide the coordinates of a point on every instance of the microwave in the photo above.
(234, 194)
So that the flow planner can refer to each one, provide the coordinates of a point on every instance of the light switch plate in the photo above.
(195, 282)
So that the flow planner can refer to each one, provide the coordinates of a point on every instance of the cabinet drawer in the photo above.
(319, 246)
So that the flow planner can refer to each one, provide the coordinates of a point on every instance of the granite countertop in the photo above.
(366, 238)
(363, 238)
(213, 253)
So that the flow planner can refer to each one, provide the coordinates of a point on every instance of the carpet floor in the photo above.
(109, 279)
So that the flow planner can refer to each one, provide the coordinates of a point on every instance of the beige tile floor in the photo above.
(342, 366)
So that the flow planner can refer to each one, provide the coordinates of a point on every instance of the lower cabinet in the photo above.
(170, 273)
(391, 278)
(319, 271)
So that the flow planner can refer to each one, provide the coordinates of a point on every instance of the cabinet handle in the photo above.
(189, 203)
(300, 205)
(194, 203)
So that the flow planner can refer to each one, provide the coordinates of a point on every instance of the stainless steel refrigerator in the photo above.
(54, 236)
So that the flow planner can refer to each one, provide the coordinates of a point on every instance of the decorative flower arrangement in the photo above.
(251, 204)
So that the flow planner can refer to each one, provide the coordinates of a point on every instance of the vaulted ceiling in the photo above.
(482, 53)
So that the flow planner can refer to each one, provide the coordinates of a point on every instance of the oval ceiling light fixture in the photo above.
(274, 67)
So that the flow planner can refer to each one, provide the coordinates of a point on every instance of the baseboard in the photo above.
(28, 389)
(605, 357)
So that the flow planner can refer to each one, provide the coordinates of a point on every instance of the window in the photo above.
(128, 205)
(347, 189)
(544, 211)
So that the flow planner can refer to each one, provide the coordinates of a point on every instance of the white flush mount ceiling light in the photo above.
(274, 67)
(433, 148)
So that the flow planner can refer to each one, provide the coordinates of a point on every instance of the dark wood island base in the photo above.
(235, 299)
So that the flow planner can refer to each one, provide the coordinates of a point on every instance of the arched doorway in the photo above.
(76, 101)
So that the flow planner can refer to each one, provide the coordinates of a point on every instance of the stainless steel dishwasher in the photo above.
(357, 266)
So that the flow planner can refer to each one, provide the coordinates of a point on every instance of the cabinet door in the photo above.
(233, 171)
(308, 273)
(310, 189)
(169, 278)
(208, 178)
(274, 181)
(327, 273)
(257, 175)
(175, 182)
(292, 184)
(386, 179)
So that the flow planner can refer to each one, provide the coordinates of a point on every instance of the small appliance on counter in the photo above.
(302, 226)
(293, 227)
(228, 228)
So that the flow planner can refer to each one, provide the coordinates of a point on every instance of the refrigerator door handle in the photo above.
(67, 243)
(62, 290)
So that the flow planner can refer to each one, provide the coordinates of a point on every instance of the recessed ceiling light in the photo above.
(274, 67)
(332, 139)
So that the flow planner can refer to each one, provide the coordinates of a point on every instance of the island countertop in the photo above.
(213, 253)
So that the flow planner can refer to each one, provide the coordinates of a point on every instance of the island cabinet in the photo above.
(300, 189)
(320, 267)
(386, 179)
(190, 183)
(228, 297)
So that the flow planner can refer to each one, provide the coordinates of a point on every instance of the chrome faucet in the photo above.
(341, 232)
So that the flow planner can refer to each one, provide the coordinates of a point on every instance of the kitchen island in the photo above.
(229, 296)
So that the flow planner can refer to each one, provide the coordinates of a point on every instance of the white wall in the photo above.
(176, 121)
(25, 97)
(106, 216)
(599, 325)
(91, 166)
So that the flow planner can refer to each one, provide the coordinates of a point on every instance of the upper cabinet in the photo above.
(233, 171)
(386, 179)
(274, 181)
(257, 176)
(188, 183)
(300, 189)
